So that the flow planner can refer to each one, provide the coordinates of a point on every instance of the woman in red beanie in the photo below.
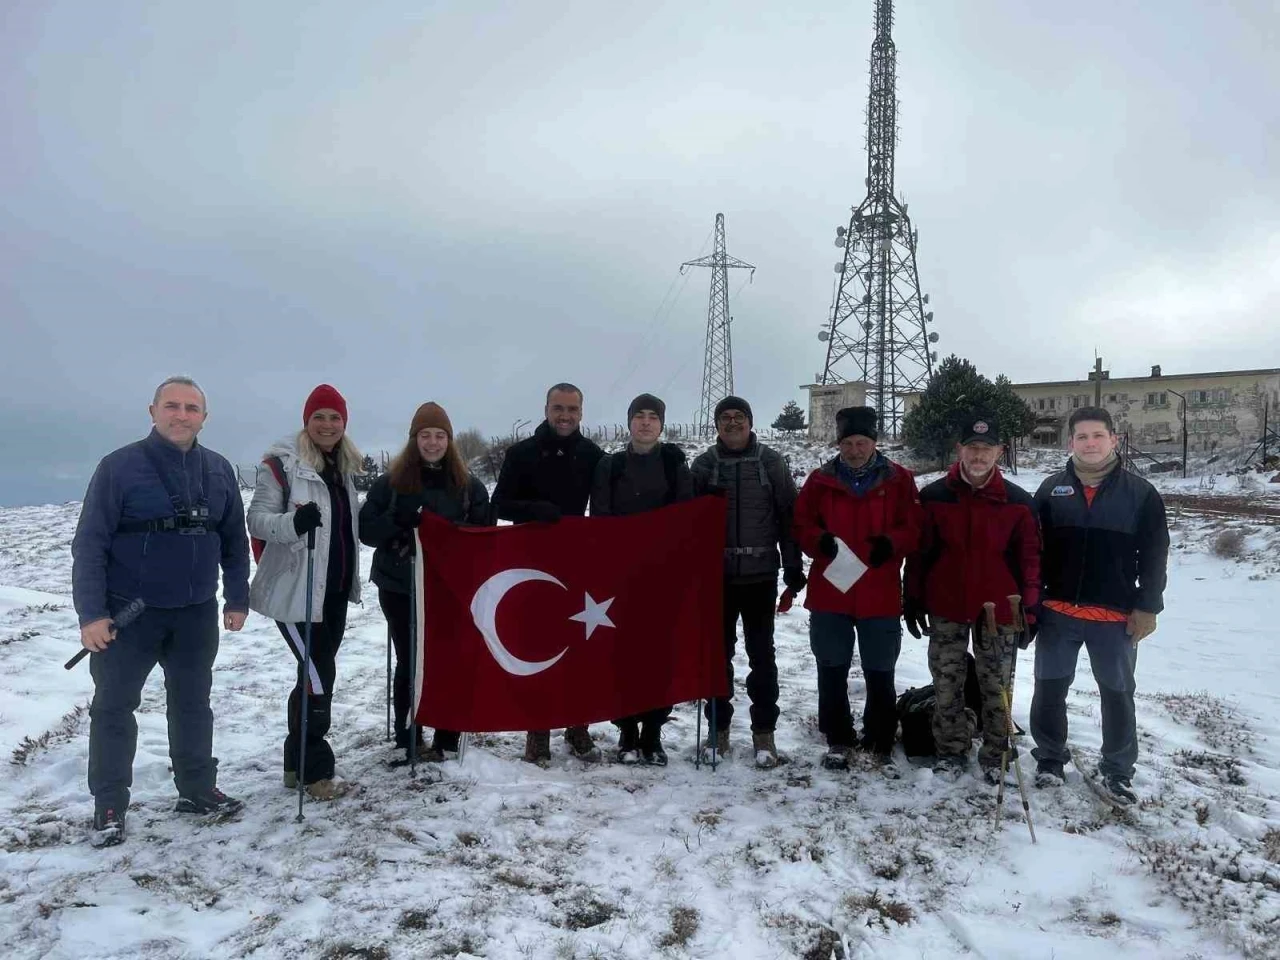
(306, 482)
(429, 474)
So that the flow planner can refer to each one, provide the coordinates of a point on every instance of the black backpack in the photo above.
(915, 712)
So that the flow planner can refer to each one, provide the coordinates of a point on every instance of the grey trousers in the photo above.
(1113, 658)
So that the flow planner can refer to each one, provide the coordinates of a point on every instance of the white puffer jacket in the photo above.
(279, 588)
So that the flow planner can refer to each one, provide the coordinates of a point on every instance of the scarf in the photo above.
(1092, 476)
(865, 476)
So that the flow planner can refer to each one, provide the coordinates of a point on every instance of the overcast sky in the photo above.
(466, 202)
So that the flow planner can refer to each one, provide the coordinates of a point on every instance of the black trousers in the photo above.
(326, 638)
(395, 607)
(754, 603)
(184, 642)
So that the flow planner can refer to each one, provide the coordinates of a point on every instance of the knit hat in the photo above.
(856, 421)
(324, 397)
(430, 415)
(647, 401)
(735, 403)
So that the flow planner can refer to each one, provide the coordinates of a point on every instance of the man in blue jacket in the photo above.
(160, 516)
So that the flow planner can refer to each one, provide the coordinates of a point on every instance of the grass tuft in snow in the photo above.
(62, 732)
(684, 927)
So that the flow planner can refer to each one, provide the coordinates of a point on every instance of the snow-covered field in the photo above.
(496, 858)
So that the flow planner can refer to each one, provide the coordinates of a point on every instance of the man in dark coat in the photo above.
(761, 497)
(646, 475)
(980, 544)
(1106, 548)
(159, 518)
(543, 478)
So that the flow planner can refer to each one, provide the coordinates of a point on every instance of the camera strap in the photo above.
(188, 519)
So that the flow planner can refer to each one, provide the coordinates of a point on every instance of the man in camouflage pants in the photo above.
(981, 544)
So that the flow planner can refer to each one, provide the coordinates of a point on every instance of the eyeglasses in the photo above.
(732, 419)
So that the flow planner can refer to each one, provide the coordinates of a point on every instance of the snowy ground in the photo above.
(496, 858)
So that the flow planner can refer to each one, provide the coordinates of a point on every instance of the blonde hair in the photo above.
(350, 460)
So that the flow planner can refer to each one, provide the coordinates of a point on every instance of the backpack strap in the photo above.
(276, 466)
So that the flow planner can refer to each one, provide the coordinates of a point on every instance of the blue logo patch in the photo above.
(1062, 491)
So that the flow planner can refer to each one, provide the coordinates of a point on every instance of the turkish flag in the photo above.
(539, 626)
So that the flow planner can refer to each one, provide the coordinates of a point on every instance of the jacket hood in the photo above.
(285, 449)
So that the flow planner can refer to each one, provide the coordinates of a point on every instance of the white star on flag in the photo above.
(594, 615)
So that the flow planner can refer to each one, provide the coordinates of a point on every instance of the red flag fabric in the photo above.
(539, 626)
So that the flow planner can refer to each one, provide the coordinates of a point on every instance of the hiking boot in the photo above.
(651, 751)
(721, 746)
(212, 800)
(766, 752)
(991, 774)
(629, 744)
(887, 765)
(1119, 789)
(949, 767)
(537, 747)
(1049, 774)
(836, 758)
(581, 746)
(108, 828)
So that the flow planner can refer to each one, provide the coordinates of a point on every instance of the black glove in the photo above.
(408, 514)
(827, 546)
(794, 578)
(881, 551)
(306, 518)
(543, 511)
(914, 616)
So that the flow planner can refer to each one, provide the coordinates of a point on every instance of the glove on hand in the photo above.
(1140, 626)
(881, 551)
(306, 518)
(914, 616)
(408, 514)
(543, 511)
(827, 546)
(794, 579)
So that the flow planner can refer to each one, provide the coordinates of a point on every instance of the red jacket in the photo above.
(890, 508)
(977, 546)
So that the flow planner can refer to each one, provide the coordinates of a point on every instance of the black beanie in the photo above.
(647, 401)
(735, 403)
(856, 420)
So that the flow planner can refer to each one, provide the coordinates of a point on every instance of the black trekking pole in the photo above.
(121, 620)
(713, 737)
(413, 659)
(304, 671)
(388, 681)
(697, 739)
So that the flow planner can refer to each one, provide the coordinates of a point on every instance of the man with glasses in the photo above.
(761, 494)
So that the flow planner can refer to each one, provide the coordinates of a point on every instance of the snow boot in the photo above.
(721, 747)
(581, 745)
(537, 747)
(651, 745)
(212, 800)
(108, 828)
(949, 767)
(629, 743)
(991, 774)
(1119, 789)
(766, 751)
(836, 758)
(1049, 774)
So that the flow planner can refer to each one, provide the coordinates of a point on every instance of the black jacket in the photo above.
(549, 468)
(761, 499)
(393, 558)
(1112, 554)
(627, 483)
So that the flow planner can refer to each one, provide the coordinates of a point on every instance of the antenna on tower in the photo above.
(717, 368)
(878, 328)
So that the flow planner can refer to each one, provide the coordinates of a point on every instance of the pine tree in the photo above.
(958, 395)
(791, 419)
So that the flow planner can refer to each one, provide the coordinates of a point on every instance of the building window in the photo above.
(1222, 396)
(1075, 403)
(1111, 398)
(1053, 403)
(1040, 404)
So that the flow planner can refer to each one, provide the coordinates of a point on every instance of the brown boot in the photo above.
(722, 748)
(537, 747)
(328, 789)
(766, 752)
(581, 745)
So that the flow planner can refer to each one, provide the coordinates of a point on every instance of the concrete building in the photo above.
(825, 399)
(1224, 409)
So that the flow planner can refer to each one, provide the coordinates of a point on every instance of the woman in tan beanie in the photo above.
(430, 475)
